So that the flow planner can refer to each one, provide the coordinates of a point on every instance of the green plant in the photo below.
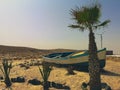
(45, 73)
(5, 68)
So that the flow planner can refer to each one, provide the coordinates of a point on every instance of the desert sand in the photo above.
(110, 75)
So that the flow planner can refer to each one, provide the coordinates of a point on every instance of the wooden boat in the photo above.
(75, 59)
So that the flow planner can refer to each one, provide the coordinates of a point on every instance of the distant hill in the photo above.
(26, 52)
(20, 52)
(14, 49)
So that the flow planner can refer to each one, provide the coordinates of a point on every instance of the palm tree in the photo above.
(88, 18)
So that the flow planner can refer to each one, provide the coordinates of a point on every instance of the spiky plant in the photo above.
(45, 73)
(5, 68)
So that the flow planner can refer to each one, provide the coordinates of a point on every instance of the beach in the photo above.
(110, 75)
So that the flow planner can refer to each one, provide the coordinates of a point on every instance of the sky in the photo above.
(43, 24)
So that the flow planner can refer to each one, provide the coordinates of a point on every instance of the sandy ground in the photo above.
(111, 76)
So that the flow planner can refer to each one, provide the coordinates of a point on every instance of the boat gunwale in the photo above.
(72, 57)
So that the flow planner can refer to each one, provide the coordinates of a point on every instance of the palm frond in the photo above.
(103, 24)
(77, 26)
(94, 14)
(74, 26)
(86, 16)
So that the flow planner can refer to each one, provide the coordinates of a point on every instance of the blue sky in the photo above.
(44, 24)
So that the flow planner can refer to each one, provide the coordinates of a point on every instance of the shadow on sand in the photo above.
(59, 86)
(103, 72)
(109, 73)
(50, 84)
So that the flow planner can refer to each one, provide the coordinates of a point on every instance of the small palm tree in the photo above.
(45, 73)
(5, 68)
(88, 18)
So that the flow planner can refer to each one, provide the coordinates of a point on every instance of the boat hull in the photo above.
(80, 66)
(77, 60)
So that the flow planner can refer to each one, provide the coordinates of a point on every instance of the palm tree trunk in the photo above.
(94, 66)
